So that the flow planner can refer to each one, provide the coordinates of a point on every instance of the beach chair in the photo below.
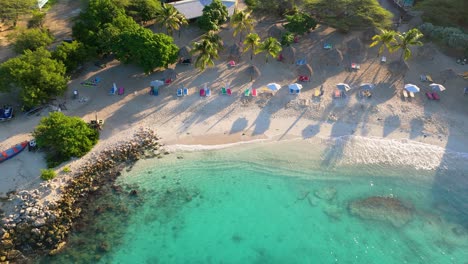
(422, 78)
(208, 92)
(435, 96)
(327, 46)
(383, 60)
(337, 94)
(429, 96)
(303, 78)
(429, 78)
(411, 94)
(168, 81)
(113, 91)
(202, 92)
(465, 75)
(229, 91)
(254, 92)
(121, 91)
(247, 92)
(355, 66)
(179, 92)
(405, 94)
(317, 92)
(155, 91)
(301, 62)
(223, 91)
(232, 63)
(185, 91)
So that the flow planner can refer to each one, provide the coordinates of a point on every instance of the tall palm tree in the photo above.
(207, 50)
(169, 17)
(241, 21)
(214, 38)
(271, 46)
(386, 39)
(406, 40)
(252, 41)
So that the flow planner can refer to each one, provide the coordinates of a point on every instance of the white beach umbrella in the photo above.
(156, 83)
(343, 87)
(273, 86)
(367, 86)
(412, 88)
(437, 87)
(295, 86)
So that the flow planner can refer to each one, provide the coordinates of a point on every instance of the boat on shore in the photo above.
(13, 151)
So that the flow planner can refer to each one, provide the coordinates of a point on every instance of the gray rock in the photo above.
(39, 222)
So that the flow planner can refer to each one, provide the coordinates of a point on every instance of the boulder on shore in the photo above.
(385, 209)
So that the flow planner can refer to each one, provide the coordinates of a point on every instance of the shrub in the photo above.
(48, 174)
(32, 39)
(287, 39)
(66, 169)
(452, 37)
(37, 19)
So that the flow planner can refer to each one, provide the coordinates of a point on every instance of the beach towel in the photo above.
(223, 91)
(247, 92)
(429, 78)
(168, 81)
(202, 92)
(254, 92)
(384, 59)
(435, 96)
(429, 96)
(317, 92)
(303, 78)
(229, 92)
(208, 91)
(355, 66)
(121, 91)
(185, 91)
(179, 92)
(232, 63)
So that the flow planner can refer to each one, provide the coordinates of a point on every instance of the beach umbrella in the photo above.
(343, 87)
(412, 88)
(273, 86)
(367, 86)
(156, 83)
(295, 86)
(437, 87)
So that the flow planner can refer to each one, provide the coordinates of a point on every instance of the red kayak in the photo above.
(13, 151)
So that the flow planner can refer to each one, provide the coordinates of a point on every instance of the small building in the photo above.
(194, 8)
(41, 3)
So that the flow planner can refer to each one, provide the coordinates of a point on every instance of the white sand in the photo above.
(226, 119)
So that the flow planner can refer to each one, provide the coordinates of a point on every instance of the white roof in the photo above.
(194, 8)
(41, 3)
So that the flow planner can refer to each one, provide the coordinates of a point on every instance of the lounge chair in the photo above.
(168, 81)
(254, 92)
(223, 91)
(121, 91)
(179, 92)
(429, 96)
(229, 91)
(384, 59)
(112, 91)
(247, 92)
(317, 92)
(208, 92)
(155, 91)
(301, 62)
(411, 94)
(202, 92)
(405, 94)
(303, 78)
(435, 96)
(429, 78)
(355, 66)
(327, 46)
(232, 63)
(185, 91)
(422, 78)
(337, 94)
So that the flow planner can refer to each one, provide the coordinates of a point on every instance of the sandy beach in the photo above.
(221, 119)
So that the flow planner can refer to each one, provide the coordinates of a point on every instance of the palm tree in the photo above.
(169, 17)
(207, 50)
(386, 39)
(214, 38)
(271, 46)
(242, 21)
(252, 41)
(406, 40)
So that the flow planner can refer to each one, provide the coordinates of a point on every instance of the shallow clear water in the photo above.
(287, 202)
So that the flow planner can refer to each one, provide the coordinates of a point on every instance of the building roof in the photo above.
(194, 8)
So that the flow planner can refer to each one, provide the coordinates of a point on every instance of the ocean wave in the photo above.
(193, 148)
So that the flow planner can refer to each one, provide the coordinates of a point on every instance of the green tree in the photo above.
(11, 10)
(271, 47)
(300, 23)
(287, 39)
(64, 137)
(37, 19)
(146, 49)
(169, 17)
(143, 10)
(241, 21)
(207, 50)
(71, 54)
(251, 42)
(214, 15)
(32, 39)
(406, 40)
(38, 77)
(447, 13)
(386, 39)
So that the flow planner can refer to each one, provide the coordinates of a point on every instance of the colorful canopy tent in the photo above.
(294, 88)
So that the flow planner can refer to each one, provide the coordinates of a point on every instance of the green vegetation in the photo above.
(143, 10)
(37, 19)
(287, 39)
(271, 46)
(11, 10)
(451, 37)
(300, 23)
(66, 169)
(145, 49)
(71, 54)
(394, 41)
(169, 17)
(214, 15)
(207, 50)
(386, 39)
(64, 137)
(48, 174)
(446, 13)
(242, 21)
(348, 14)
(37, 76)
(32, 39)
(272, 7)
(252, 42)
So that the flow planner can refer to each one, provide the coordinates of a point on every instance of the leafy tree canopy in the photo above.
(64, 137)
(146, 49)
(38, 77)
(143, 10)
(347, 14)
(10, 10)
(277, 7)
(300, 23)
(452, 13)
(71, 54)
(214, 15)
(32, 39)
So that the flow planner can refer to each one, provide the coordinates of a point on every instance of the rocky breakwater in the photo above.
(386, 209)
(37, 229)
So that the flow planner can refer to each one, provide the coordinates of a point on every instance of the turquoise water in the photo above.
(283, 203)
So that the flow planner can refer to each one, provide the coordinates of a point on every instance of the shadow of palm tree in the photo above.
(391, 123)
(416, 127)
(239, 125)
(310, 131)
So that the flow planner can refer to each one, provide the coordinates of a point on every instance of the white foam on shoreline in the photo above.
(194, 148)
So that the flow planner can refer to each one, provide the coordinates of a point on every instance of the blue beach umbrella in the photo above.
(437, 87)
(367, 86)
(343, 87)
(273, 86)
(412, 88)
